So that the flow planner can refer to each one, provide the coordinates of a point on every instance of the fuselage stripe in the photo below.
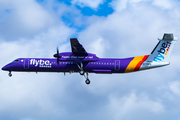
(135, 64)
(140, 63)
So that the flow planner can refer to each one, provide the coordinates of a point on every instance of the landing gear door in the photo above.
(117, 65)
(26, 63)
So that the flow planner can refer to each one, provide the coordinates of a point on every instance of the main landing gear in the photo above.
(87, 79)
(10, 74)
(81, 68)
(81, 72)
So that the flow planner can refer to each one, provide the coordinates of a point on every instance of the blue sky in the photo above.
(108, 28)
(102, 10)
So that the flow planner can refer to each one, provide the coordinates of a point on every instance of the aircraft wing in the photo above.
(77, 48)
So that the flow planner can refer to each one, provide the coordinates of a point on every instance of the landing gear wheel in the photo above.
(87, 81)
(10, 75)
(81, 72)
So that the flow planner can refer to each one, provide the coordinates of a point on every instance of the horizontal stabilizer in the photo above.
(168, 36)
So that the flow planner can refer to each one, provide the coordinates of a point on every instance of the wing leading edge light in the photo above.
(83, 62)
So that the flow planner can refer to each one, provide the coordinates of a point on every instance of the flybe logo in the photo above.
(162, 51)
(40, 63)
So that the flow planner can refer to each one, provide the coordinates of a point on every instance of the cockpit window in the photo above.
(17, 60)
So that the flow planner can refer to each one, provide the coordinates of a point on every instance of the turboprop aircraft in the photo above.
(83, 62)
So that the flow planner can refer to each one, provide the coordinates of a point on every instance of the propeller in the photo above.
(57, 56)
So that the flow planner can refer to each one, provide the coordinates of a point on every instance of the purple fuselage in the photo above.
(103, 65)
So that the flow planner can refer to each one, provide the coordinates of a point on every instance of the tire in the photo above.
(87, 81)
(10, 75)
(81, 72)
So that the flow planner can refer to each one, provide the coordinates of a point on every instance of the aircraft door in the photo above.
(26, 63)
(117, 65)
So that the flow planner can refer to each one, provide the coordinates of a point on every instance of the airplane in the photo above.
(80, 61)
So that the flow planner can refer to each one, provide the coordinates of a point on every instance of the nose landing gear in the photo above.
(10, 75)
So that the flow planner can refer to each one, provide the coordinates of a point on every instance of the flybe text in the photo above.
(164, 48)
(162, 51)
(40, 62)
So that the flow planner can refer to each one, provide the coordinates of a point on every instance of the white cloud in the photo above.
(31, 15)
(128, 107)
(166, 4)
(24, 96)
(99, 46)
(88, 3)
(137, 1)
(175, 87)
(25, 18)
(119, 5)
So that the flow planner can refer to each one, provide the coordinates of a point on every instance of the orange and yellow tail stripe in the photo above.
(136, 63)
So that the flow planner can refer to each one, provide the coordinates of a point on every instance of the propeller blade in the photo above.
(57, 56)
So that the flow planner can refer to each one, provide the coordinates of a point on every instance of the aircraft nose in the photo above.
(6, 68)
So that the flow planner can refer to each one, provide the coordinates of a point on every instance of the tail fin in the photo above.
(163, 49)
